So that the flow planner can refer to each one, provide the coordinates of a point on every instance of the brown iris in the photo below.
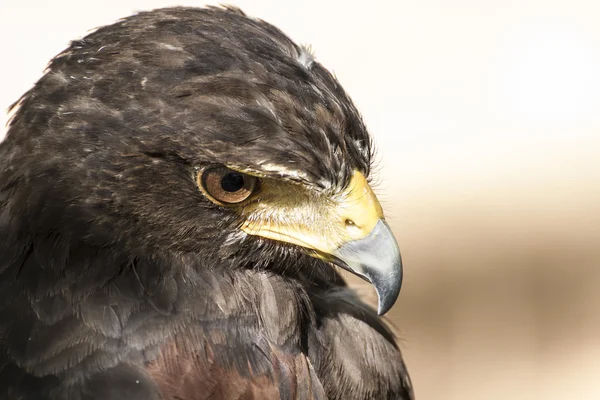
(226, 186)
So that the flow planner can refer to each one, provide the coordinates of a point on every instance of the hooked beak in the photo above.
(375, 258)
(347, 229)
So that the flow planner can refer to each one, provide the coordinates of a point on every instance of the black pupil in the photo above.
(232, 182)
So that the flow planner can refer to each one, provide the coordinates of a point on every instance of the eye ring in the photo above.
(225, 186)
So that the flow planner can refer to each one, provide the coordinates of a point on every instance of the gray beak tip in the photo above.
(388, 291)
(376, 258)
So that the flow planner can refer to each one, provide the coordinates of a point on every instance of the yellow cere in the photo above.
(291, 213)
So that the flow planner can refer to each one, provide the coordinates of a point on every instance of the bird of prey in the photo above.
(175, 193)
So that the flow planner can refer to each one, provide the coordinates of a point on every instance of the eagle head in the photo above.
(174, 132)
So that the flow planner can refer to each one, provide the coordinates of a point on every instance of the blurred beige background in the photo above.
(487, 119)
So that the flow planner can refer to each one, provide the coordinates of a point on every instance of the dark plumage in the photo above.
(120, 279)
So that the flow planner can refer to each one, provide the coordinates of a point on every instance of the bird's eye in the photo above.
(226, 186)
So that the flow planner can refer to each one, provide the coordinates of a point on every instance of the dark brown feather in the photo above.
(120, 280)
(188, 368)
